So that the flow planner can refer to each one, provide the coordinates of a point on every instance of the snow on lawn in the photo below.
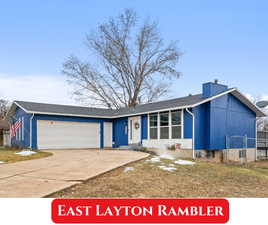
(168, 166)
(128, 169)
(184, 162)
(154, 159)
(25, 153)
(1, 162)
(166, 156)
(170, 169)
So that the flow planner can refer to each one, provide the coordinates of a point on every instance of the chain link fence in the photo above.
(240, 149)
(262, 145)
(242, 142)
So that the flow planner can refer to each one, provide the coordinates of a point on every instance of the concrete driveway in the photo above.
(41, 177)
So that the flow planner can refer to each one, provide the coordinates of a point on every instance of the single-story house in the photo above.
(4, 133)
(199, 125)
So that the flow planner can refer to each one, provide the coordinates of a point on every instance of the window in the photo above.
(131, 129)
(242, 154)
(164, 125)
(210, 154)
(153, 125)
(176, 124)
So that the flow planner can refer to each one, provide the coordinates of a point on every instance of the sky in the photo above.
(226, 40)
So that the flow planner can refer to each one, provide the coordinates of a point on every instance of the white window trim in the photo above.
(169, 126)
(148, 129)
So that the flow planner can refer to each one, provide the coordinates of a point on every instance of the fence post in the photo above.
(246, 141)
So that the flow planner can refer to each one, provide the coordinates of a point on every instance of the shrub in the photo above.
(171, 147)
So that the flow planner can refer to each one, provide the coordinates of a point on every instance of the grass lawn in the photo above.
(9, 156)
(203, 179)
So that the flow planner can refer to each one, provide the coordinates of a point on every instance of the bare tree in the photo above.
(262, 122)
(3, 108)
(133, 65)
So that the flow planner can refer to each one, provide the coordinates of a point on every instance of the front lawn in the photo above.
(9, 156)
(147, 180)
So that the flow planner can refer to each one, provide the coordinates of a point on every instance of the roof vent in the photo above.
(216, 81)
(190, 94)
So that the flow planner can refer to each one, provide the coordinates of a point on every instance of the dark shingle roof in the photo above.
(88, 111)
(64, 109)
(161, 105)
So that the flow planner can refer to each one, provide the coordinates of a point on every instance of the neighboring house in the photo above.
(202, 125)
(4, 133)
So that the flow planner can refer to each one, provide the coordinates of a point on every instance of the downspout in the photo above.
(31, 136)
(193, 132)
(256, 140)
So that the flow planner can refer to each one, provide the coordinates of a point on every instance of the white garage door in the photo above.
(59, 135)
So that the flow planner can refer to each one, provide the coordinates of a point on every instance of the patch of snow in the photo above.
(128, 169)
(166, 156)
(171, 165)
(170, 169)
(155, 159)
(184, 162)
(25, 153)
(161, 167)
(1, 162)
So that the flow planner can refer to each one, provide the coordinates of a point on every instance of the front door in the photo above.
(134, 130)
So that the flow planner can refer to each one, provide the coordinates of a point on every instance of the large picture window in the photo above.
(176, 124)
(153, 125)
(165, 125)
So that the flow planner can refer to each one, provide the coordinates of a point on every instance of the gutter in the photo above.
(31, 136)
(193, 132)
(130, 114)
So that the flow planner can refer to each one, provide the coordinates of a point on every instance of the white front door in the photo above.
(134, 130)
(108, 134)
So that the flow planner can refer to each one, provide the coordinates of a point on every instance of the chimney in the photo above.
(213, 88)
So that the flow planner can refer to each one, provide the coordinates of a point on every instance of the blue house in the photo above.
(202, 125)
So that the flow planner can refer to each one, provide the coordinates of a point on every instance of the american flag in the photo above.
(14, 128)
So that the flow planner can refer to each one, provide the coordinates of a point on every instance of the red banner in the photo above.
(140, 211)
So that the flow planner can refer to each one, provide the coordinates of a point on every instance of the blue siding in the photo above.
(221, 117)
(120, 132)
(25, 142)
(201, 126)
(69, 119)
(211, 89)
(188, 125)
(241, 120)
(144, 127)
(224, 116)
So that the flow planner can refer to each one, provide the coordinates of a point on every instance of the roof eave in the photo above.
(233, 91)
(241, 97)
(248, 103)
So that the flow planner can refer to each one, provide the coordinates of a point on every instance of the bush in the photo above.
(171, 147)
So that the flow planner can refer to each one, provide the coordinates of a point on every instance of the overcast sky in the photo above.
(220, 39)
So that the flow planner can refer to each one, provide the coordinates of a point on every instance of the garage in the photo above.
(64, 135)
